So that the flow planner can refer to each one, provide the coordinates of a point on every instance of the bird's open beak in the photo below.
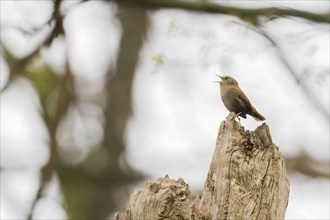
(220, 80)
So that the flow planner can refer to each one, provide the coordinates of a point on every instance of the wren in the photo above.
(235, 100)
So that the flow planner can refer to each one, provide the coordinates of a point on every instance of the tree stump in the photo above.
(164, 199)
(247, 179)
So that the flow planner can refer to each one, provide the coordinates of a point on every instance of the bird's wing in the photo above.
(244, 101)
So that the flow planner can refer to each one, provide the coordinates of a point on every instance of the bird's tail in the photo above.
(256, 115)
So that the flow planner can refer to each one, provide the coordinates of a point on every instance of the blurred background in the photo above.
(99, 96)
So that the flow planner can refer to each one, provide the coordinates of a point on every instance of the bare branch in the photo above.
(63, 101)
(210, 7)
(307, 165)
(16, 66)
(292, 72)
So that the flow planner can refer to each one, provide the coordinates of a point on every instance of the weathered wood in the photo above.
(247, 179)
(164, 199)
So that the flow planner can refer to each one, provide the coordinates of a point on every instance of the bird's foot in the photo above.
(236, 116)
(233, 115)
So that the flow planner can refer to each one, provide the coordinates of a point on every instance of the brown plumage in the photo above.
(235, 100)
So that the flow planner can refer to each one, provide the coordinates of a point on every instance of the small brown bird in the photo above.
(235, 100)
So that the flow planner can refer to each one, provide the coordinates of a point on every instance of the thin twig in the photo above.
(292, 72)
(17, 66)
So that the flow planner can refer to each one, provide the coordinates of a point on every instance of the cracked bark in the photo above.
(164, 199)
(247, 179)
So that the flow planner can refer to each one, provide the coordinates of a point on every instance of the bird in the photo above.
(235, 100)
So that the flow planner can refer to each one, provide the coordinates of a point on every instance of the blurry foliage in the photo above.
(46, 82)
(158, 59)
(94, 174)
